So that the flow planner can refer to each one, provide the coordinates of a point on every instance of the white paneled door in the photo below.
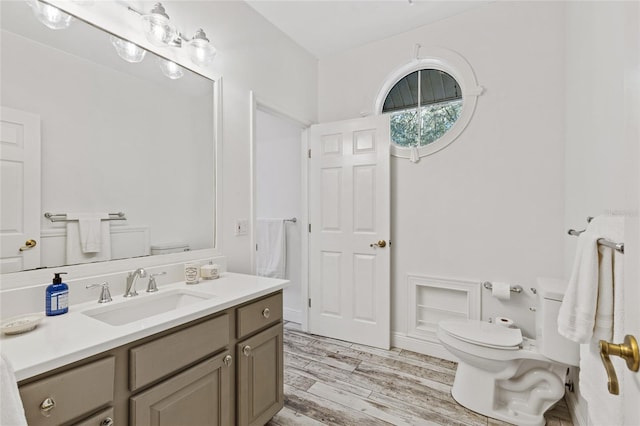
(349, 216)
(20, 188)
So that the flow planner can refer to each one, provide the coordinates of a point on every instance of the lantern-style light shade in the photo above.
(50, 16)
(127, 50)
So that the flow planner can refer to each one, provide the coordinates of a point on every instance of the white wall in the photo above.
(489, 206)
(595, 144)
(278, 192)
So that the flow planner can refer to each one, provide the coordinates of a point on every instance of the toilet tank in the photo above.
(550, 343)
(167, 248)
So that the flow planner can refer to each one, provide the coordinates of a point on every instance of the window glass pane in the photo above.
(437, 95)
(404, 128)
(437, 119)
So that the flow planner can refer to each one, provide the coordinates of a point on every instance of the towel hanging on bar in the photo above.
(602, 241)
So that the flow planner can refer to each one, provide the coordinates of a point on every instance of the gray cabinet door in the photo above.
(200, 396)
(260, 377)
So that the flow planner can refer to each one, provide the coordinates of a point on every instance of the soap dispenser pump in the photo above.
(57, 296)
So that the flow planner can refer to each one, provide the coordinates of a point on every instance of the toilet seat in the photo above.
(484, 334)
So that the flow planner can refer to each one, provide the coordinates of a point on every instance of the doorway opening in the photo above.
(279, 210)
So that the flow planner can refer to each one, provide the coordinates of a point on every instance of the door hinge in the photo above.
(309, 152)
(309, 302)
(256, 247)
(309, 228)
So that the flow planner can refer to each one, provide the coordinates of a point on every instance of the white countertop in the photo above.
(67, 338)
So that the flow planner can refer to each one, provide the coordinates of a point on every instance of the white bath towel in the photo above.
(11, 409)
(77, 241)
(593, 309)
(271, 258)
(588, 305)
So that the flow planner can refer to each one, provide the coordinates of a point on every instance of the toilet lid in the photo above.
(483, 333)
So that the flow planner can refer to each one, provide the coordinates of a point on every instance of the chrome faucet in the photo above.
(131, 282)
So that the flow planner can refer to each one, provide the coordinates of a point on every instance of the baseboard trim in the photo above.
(292, 315)
(425, 347)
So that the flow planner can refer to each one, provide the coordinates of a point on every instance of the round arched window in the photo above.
(424, 105)
(430, 101)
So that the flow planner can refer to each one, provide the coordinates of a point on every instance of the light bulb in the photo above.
(127, 50)
(157, 28)
(170, 69)
(50, 16)
(200, 49)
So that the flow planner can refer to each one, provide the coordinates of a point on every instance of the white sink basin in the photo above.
(146, 306)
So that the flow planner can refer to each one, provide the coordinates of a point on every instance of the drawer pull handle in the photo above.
(46, 407)
(246, 350)
(266, 313)
(227, 360)
(107, 422)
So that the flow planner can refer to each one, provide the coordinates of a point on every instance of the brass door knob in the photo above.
(627, 351)
(28, 244)
(381, 244)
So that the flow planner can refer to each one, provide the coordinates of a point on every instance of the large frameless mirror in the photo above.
(116, 136)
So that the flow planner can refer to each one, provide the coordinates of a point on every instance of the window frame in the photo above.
(454, 65)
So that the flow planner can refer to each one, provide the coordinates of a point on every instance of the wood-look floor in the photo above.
(331, 382)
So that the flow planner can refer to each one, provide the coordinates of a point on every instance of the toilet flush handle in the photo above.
(627, 351)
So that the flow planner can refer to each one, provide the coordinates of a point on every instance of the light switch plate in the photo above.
(242, 227)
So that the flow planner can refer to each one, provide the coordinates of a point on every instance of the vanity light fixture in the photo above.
(200, 49)
(50, 16)
(157, 28)
(160, 32)
(170, 69)
(127, 50)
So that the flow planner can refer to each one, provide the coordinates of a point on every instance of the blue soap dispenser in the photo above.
(57, 296)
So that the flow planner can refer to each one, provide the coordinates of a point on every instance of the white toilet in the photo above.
(504, 375)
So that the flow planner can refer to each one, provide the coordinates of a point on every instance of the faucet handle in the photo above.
(105, 294)
(152, 287)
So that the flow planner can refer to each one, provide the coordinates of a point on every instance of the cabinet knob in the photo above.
(107, 422)
(46, 407)
(266, 313)
(246, 350)
(227, 360)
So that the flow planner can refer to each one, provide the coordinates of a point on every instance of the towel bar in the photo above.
(514, 289)
(602, 241)
(293, 219)
(62, 217)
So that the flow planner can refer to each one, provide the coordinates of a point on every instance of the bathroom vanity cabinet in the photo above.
(223, 369)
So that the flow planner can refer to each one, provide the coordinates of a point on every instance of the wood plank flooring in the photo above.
(331, 382)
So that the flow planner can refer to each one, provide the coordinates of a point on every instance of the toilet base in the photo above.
(529, 389)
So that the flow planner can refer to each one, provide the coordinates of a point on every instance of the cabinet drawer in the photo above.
(163, 356)
(70, 394)
(260, 314)
(100, 419)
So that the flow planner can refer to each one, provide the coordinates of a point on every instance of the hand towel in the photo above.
(11, 409)
(271, 258)
(588, 305)
(77, 242)
(90, 227)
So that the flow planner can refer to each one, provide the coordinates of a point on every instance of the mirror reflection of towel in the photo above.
(88, 237)
(271, 259)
